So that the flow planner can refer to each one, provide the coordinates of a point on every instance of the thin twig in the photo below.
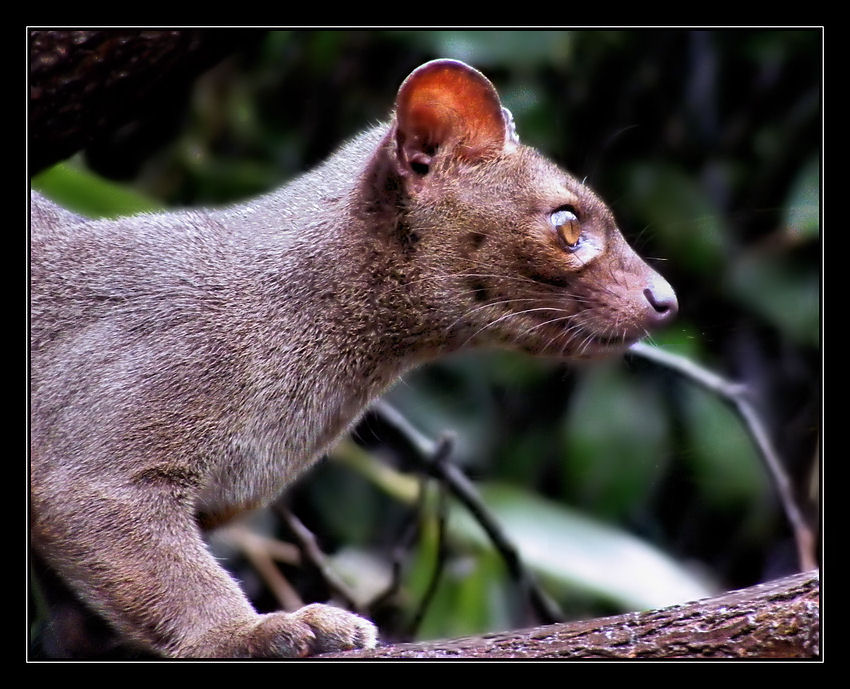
(261, 553)
(737, 396)
(433, 457)
(314, 553)
(400, 551)
(439, 567)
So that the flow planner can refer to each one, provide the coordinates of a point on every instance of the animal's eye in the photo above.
(567, 227)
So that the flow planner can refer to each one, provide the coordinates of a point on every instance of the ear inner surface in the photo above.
(446, 103)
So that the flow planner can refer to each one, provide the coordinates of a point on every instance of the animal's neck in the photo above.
(336, 307)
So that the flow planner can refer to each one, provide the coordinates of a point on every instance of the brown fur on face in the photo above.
(504, 278)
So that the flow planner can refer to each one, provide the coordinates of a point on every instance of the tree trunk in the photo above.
(84, 84)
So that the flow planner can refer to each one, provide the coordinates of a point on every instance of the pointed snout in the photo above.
(661, 301)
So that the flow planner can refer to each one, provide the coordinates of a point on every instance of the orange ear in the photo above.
(447, 104)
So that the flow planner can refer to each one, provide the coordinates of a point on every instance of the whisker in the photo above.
(502, 318)
(568, 334)
(488, 305)
(553, 320)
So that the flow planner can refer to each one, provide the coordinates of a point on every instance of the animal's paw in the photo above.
(334, 629)
(309, 631)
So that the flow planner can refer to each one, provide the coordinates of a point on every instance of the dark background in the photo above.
(625, 485)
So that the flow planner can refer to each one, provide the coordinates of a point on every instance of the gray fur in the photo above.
(186, 366)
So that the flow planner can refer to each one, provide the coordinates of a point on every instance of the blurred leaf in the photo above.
(399, 486)
(785, 294)
(616, 443)
(679, 214)
(572, 550)
(775, 46)
(725, 465)
(682, 338)
(577, 555)
(365, 575)
(802, 212)
(472, 596)
(452, 395)
(224, 179)
(84, 192)
(497, 48)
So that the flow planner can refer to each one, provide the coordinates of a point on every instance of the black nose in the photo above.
(662, 299)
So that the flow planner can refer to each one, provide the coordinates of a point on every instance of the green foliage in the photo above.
(616, 444)
(782, 292)
(678, 212)
(578, 555)
(77, 189)
(722, 460)
(484, 49)
(802, 210)
(472, 594)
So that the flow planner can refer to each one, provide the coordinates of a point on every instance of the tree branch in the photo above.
(84, 84)
(737, 396)
(262, 552)
(433, 457)
(779, 619)
(314, 554)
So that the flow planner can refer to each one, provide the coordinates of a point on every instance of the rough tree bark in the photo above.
(83, 84)
(778, 619)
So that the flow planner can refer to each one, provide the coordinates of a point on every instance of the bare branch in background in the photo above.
(433, 457)
(262, 552)
(737, 396)
(314, 554)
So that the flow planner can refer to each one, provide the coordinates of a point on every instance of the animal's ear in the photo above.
(446, 107)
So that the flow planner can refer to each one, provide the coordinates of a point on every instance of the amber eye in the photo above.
(567, 226)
